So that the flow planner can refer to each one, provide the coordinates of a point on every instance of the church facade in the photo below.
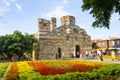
(65, 39)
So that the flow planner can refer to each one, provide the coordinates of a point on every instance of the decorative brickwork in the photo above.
(66, 38)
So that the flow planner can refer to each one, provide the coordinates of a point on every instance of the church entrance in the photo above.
(77, 51)
(59, 52)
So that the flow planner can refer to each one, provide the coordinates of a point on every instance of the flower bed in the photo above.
(62, 70)
(12, 72)
(62, 66)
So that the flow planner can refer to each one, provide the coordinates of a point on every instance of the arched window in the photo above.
(71, 23)
(66, 23)
(61, 30)
(75, 30)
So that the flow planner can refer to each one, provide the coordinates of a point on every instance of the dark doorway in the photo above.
(77, 51)
(59, 51)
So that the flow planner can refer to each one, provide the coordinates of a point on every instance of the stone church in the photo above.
(65, 39)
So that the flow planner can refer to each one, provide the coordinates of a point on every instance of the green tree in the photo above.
(5, 41)
(28, 41)
(101, 10)
(2, 42)
(17, 43)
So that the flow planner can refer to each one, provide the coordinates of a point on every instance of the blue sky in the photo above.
(22, 15)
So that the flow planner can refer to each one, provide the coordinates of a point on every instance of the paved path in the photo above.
(104, 60)
(94, 60)
(97, 60)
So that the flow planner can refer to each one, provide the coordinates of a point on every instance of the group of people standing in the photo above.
(98, 53)
(89, 54)
(77, 54)
(15, 57)
(93, 54)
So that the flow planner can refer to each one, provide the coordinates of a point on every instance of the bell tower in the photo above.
(68, 20)
(52, 23)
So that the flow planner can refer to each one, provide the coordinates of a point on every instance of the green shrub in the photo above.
(30, 76)
(3, 67)
(106, 73)
(110, 72)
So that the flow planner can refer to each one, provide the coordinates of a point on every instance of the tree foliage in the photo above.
(101, 10)
(16, 43)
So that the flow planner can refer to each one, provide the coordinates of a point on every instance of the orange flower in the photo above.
(13, 72)
(62, 66)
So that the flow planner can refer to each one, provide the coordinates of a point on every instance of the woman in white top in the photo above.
(100, 55)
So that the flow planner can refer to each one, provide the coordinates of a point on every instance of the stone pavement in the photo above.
(104, 60)
(97, 60)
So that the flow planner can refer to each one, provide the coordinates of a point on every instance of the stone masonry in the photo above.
(65, 39)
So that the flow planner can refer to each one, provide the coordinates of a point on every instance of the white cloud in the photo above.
(57, 12)
(115, 17)
(5, 21)
(13, 0)
(3, 10)
(82, 26)
(18, 6)
(4, 7)
(6, 4)
(65, 1)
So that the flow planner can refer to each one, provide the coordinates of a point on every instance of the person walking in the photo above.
(81, 53)
(73, 54)
(100, 56)
(113, 55)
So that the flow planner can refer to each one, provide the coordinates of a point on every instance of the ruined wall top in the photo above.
(68, 20)
(46, 25)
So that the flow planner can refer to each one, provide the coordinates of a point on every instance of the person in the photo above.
(56, 55)
(113, 55)
(73, 54)
(62, 55)
(81, 53)
(29, 57)
(77, 55)
(100, 55)
(118, 53)
(14, 57)
(86, 54)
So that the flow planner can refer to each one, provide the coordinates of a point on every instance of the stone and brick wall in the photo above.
(53, 38)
